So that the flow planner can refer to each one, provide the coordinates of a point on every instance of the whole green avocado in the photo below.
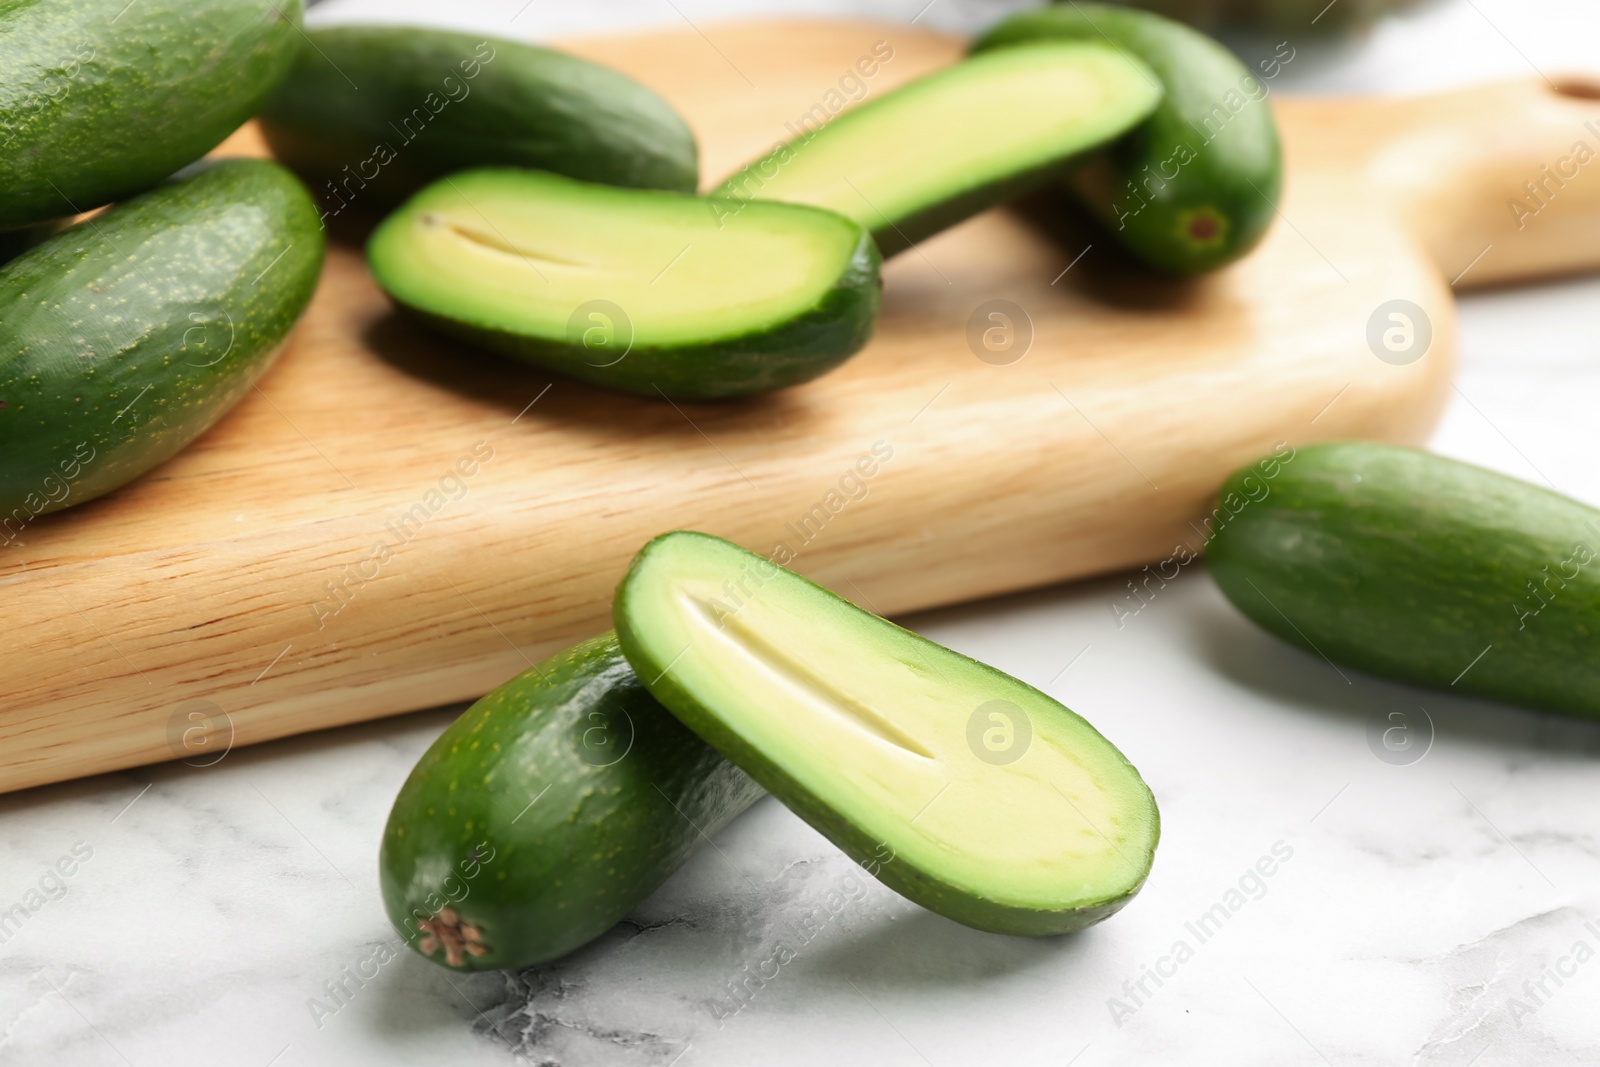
(371, 114)
(1420, 568)
(102, 99)
(547, 812)
(127, 336)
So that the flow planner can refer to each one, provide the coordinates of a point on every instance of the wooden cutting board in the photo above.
(392, 522)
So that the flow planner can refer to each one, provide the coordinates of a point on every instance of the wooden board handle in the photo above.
(1501, 183)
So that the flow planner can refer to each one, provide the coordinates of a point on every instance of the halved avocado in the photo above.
(964, 789)
(1196, 186)
(641, 290)
(953, 143)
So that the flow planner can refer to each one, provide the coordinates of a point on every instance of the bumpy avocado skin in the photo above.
(1419, 568)
(371, 114)
(102, 99)
(549, 810)
(127, 336)
(1196, 186)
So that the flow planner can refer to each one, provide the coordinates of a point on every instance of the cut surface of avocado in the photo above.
(1001, 808)
(637, 289)
(1196, 186)
(948, 145)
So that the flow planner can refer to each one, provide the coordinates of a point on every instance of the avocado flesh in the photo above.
(863, 729)
(1196, 186)
(948, 145)
(639, 290)
(521, 251)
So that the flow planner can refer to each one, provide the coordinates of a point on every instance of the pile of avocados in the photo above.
(125, 337)
(547, 214)
(541, 207)
(537, 206)
(558, 802)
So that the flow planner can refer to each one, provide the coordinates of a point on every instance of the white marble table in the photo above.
(1432, 913)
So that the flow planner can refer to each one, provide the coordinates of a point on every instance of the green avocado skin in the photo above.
(551, 808)
(370, 114)
(102, 99)
(1422, 569)
(923, 886)
(1196, 185)
(127, 336)
(1289, 16)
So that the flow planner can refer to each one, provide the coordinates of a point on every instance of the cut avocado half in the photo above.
(640, 290)
(953, 143)
(1196, 186)
(967, 791)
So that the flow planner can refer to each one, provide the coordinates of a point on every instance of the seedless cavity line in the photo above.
(759, 650)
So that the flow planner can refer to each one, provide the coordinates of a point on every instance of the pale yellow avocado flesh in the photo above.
(520, 254)
(876, 725)
(988, 117)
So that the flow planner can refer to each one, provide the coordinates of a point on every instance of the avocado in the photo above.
(937, 150)
(547, 812)
(645, 291)
(967, 791)
(1196, 185)
(102, 99)
(1418, 568)
(127, 336)
(371, 114)
(1282, 16)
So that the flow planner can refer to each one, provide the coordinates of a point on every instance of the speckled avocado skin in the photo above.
(126, 337)
(1419, 568)
(101, 99)
(549, 810)
(371, 114)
